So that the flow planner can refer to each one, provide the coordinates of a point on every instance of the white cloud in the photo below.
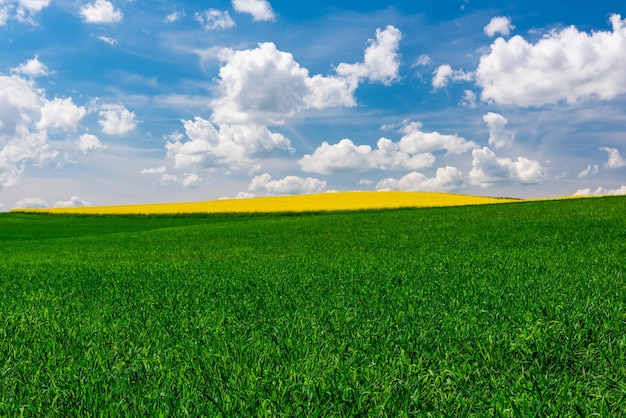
(416, 141)
(174, 17)
(265, 85)
(213, 19)
(191, 180)
(601, 191)
(327, 92)
(4, 14)
(468, 99)
(261, 10)
(74, 202)
(499, 137)
(488, 169)
(412, 152)
(346, 156)
(445, 73)
(566, 65)
(102, 11)
(89, 142)
(167, 179)
(381, 61)
(33, 5)
(61, 114)
(446, 179)
(287, 185)
(157, 170)
(21, 142)
(32, 68)
(589, 171)
(499, 24)
(108, 40)
(615, 158)
(423, 61)
(22, 10)
(235, 146)
(31, 203)
(116, 119)
(261, 84)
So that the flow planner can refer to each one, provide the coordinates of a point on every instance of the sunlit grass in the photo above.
(298, 203)
(496, 310)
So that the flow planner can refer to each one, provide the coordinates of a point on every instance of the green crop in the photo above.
(514, 309)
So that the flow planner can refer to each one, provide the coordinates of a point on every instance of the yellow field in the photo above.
(298, 203)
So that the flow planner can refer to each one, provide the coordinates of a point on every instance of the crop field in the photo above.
(514, 309)
(297, 203)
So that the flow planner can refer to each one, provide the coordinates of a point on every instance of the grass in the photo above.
(495, 310)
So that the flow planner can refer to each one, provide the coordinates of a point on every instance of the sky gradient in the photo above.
(116, 101)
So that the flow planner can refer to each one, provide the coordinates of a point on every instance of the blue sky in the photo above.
(119, 101)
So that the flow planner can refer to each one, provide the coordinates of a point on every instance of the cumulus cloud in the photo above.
(346, 156)
(101, 11)
(287, 185)
(261, 10)
(235, 146)
(265, 85)
(31, 203)
(499, 137)
(566, 65)
(22, 140)
(191, 180)
(601, 191)
(214, 19)
(615, 158)
(21, 10)
(416, 141)
(446, 179)
(89, 142)
(115, 119)
(498, 25)
(412, 152)
(589, 171)
(61, 114)
(488, 169)
(33, 5)
(74, 202)
(32, 68)
(445, 73)
(381, 61)
(157, 170)
(261, 84)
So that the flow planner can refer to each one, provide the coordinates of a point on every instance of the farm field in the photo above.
(492, 310)
(296, 203)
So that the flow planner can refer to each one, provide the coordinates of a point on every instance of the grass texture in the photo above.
(494, 310)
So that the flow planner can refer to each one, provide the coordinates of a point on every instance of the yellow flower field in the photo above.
(298, 203)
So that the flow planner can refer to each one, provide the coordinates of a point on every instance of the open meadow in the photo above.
(512, 309)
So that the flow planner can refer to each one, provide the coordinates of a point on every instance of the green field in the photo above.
(514, 309)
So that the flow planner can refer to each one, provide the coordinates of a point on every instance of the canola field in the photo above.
(297, 203)
(493, 310)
